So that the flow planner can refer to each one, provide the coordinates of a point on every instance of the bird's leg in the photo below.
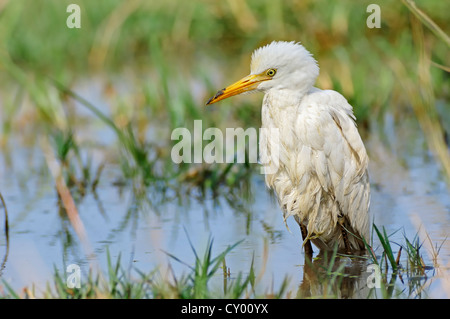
(306, 242)
(341, 221)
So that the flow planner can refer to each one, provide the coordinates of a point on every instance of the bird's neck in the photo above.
(286, 98)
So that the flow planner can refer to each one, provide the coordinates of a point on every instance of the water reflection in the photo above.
(334, 276)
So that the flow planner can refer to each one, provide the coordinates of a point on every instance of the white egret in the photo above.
(322, 178)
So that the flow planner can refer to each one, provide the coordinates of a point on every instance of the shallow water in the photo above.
(409, 194)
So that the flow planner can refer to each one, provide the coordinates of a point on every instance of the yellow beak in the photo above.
(245, 84)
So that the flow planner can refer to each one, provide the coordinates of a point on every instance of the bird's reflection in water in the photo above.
(331, 275)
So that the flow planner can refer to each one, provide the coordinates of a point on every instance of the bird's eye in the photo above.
(271, 72)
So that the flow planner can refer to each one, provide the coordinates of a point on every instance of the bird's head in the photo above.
(280, 66)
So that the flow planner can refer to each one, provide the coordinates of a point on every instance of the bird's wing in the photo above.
(330, 148)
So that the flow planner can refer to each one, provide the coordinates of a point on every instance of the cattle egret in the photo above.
(321, 178)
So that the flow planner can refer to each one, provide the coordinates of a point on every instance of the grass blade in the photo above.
(384, 239)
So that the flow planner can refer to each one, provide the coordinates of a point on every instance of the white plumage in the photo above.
(321, 175)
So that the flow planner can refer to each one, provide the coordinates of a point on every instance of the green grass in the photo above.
(118, 283)
(329, 274)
